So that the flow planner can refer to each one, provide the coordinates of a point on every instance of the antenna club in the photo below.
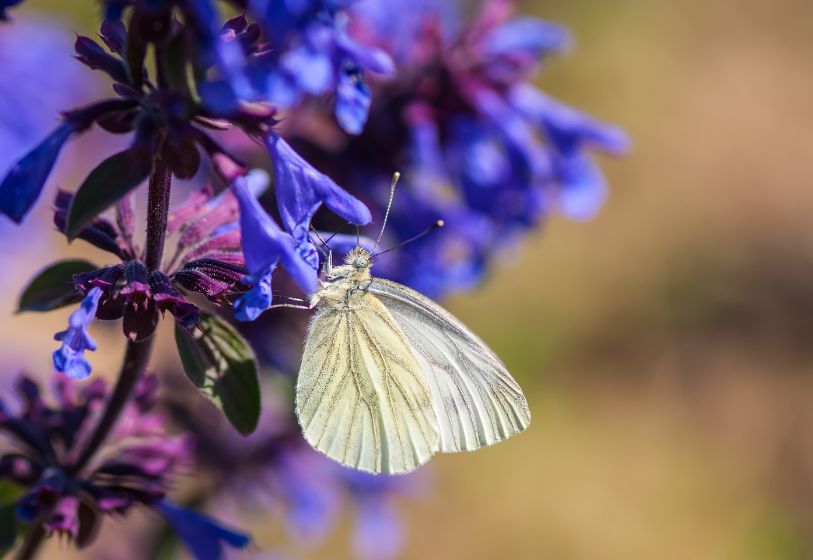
(440, 224)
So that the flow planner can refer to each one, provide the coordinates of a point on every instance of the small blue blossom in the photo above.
(69, 359)
(204, 537)
(259, 298)
(353, 99)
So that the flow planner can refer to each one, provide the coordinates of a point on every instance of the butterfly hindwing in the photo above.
(476, 400)
(361, 396)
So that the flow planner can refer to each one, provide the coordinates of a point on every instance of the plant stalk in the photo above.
(136, 355)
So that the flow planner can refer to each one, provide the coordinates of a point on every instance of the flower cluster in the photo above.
(206, 260)
(478, 145)
(334, 92)
(169, 125)
(136, 468)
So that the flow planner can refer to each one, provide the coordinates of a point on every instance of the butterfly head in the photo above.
(359, 258)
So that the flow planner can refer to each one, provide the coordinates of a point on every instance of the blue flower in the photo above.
(204, 536)
(259, 298)
(69, 359)
(26, 178)
(353, 99)
(478, 146)
(301, 190)
(265, 245)
(313, 54)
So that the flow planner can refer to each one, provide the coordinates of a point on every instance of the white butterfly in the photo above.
(389, 378)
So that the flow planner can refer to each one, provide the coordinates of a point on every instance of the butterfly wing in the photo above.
(361, 397)
(476, 400)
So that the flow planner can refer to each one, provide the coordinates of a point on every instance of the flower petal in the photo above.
(251, 304)
(265, 244)
(301, 190)
(204, 536)
(26, 178)
(353, 100)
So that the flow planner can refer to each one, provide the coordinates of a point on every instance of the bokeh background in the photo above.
(665, 346)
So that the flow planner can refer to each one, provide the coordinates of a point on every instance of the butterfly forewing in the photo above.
(476, 400)
(361, 396)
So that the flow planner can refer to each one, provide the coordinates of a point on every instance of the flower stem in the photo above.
(136, 355)
(157, 212)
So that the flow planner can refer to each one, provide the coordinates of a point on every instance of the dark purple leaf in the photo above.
(54, 286)
(88, 52)
(100, 233)
(112, 179)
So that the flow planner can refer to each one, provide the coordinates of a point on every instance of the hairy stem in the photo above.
(137, 354)
(157, 212)
(136, 357)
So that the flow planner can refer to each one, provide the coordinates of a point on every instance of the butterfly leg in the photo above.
(291, 305)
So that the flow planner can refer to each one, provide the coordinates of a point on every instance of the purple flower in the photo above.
(204, 536)
(301, 190)
(264, 246)
(312, 53)
(207, 259)
(70, 359)
(478, 146)
(48, 439)
(166, 122)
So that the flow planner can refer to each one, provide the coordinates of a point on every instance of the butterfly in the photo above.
(389, 378)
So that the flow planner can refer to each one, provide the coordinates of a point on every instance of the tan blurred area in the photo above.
(665, 347)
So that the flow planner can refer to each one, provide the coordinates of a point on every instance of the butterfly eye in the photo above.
(360, 263)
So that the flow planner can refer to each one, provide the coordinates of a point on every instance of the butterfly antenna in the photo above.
(322, 241)
(438, 224)
(337, 232)
(395, 177)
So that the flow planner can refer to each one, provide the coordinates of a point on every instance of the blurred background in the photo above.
(664, 347)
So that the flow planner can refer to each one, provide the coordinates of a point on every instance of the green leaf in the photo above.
(222, 365)
(172, 59)
(8, 527)
(135, 51)
(53, 287)
(111, 180)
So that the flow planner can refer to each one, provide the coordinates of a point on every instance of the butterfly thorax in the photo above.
(345, 283)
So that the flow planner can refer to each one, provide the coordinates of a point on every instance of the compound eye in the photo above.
(360, 263)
